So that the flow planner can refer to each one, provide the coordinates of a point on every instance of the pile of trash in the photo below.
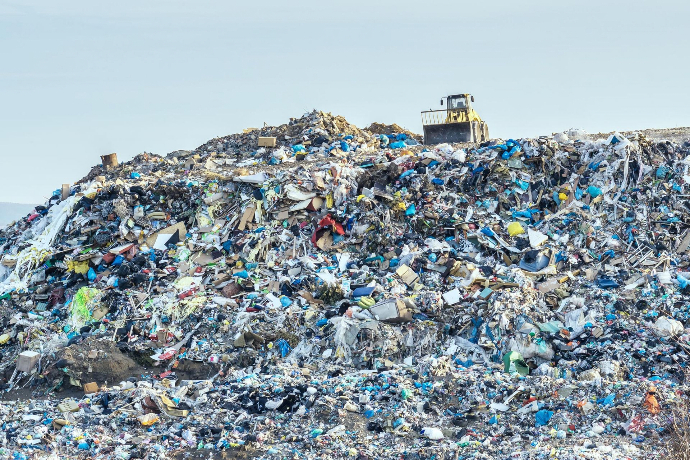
(319, 290)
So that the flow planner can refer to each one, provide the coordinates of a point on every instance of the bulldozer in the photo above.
(458, 122)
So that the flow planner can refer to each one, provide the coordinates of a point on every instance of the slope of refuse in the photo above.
(350, 293)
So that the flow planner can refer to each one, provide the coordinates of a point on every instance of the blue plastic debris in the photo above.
(542, 417)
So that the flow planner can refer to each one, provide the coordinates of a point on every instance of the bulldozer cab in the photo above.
(458, 122)
(459, 101)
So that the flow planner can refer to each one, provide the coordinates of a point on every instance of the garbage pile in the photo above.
(316, 290)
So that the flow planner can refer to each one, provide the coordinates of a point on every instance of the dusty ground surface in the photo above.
(670, 134)
(215, 455)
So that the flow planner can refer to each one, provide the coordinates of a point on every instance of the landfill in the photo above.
(317, 290)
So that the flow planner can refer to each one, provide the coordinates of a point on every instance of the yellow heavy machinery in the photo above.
(457, 123)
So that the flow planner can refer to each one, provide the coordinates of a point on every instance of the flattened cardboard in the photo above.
(247, 217)
(310, 298)
(178, 227)
(408, 276)
(316, 204)
(684, 243)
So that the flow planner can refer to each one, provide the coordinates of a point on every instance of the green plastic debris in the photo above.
(513, 361)
(552, 326)
(82, 304)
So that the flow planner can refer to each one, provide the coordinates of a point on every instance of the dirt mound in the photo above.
(382, 128)
(195, 370)
(94, 360)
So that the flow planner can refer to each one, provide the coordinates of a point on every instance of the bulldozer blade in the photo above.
(448, 132)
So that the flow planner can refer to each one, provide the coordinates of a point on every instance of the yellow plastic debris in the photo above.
(78, 267)
(515, 228)
(148, 419)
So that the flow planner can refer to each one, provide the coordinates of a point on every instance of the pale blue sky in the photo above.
(79, 79)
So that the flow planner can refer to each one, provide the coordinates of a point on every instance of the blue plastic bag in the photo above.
(362, 291)
(594, 191)
(283, 346)
(243, 274)
(511, 147)
(606, 283)
(543, 416)
(608, 401)
(522, 184)
(487, 231)
(285, 301)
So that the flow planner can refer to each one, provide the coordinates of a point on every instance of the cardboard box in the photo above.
(27, 360)
(91, 387)
(267, 142)
(162, 335)
(392, 311)
(68, 406)
(58, 423)
(109, 161)
(408, 276)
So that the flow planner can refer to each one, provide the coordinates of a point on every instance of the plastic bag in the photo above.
(543, 416)
(668, 327)
(515, 228)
